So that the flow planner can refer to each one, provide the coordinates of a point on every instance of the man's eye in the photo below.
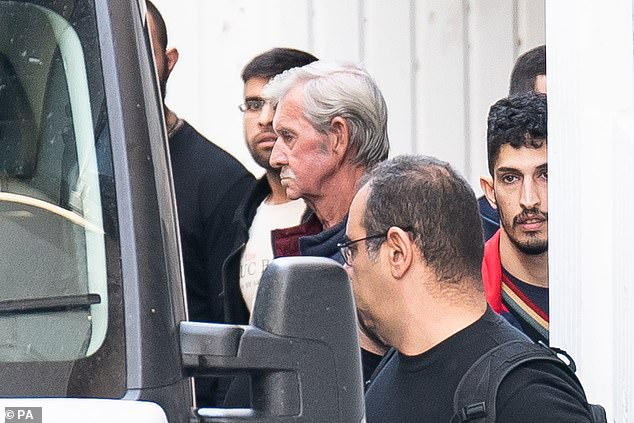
(255, 105)
(285, 135)
(509, 179)
(544, 175)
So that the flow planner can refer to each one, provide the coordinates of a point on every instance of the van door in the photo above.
(90, 278)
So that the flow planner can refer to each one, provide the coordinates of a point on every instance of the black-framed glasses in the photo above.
(347, 252)
(253, 105)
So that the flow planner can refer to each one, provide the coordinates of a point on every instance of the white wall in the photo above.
(439, 63)
(591, 146)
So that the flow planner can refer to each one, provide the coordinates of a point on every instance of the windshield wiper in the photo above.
(45, 304)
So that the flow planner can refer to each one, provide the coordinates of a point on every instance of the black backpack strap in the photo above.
(474, 399)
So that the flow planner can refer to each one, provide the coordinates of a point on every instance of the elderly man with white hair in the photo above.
(331, 123)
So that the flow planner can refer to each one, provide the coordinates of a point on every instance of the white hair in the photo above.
(334, 89)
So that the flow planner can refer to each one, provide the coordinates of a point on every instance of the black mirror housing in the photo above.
(301, 348)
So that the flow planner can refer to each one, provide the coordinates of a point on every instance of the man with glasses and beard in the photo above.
(515, 265)
(267, 207)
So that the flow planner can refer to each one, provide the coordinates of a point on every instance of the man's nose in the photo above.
(530, 196)
(278, 155)
(265, 119)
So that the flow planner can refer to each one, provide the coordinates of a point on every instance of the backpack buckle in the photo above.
(473, 411)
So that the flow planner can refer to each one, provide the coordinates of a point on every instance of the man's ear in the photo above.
(339, 129)
(486, 183)
(172, 57)
(400, 251)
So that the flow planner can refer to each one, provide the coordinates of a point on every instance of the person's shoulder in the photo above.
(540, 391)
(213, 158)
(498, 328)
(199, 141)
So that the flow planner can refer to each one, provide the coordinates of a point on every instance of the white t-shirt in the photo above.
(259, 250)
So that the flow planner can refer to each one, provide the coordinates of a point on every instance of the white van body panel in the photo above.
(81, 410)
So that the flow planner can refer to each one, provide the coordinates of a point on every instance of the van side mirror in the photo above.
(301, 348)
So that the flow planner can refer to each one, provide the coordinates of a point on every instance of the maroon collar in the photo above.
(286, 241)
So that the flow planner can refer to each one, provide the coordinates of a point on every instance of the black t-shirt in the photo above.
(420, 388)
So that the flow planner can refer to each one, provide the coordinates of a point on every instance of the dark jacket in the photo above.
(235, 309)
(306, 239)
(310, 239)
(490, 218)
(533, 297)
(209, 185)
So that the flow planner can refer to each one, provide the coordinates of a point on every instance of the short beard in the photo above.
(263, 163)
(532, 247)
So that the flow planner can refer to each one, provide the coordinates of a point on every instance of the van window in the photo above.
(57, 202)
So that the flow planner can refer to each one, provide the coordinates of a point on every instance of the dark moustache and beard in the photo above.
(533, 245)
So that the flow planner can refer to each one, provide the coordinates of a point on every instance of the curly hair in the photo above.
(519, 120)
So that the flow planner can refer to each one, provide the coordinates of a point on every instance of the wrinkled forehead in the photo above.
(290, 108)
